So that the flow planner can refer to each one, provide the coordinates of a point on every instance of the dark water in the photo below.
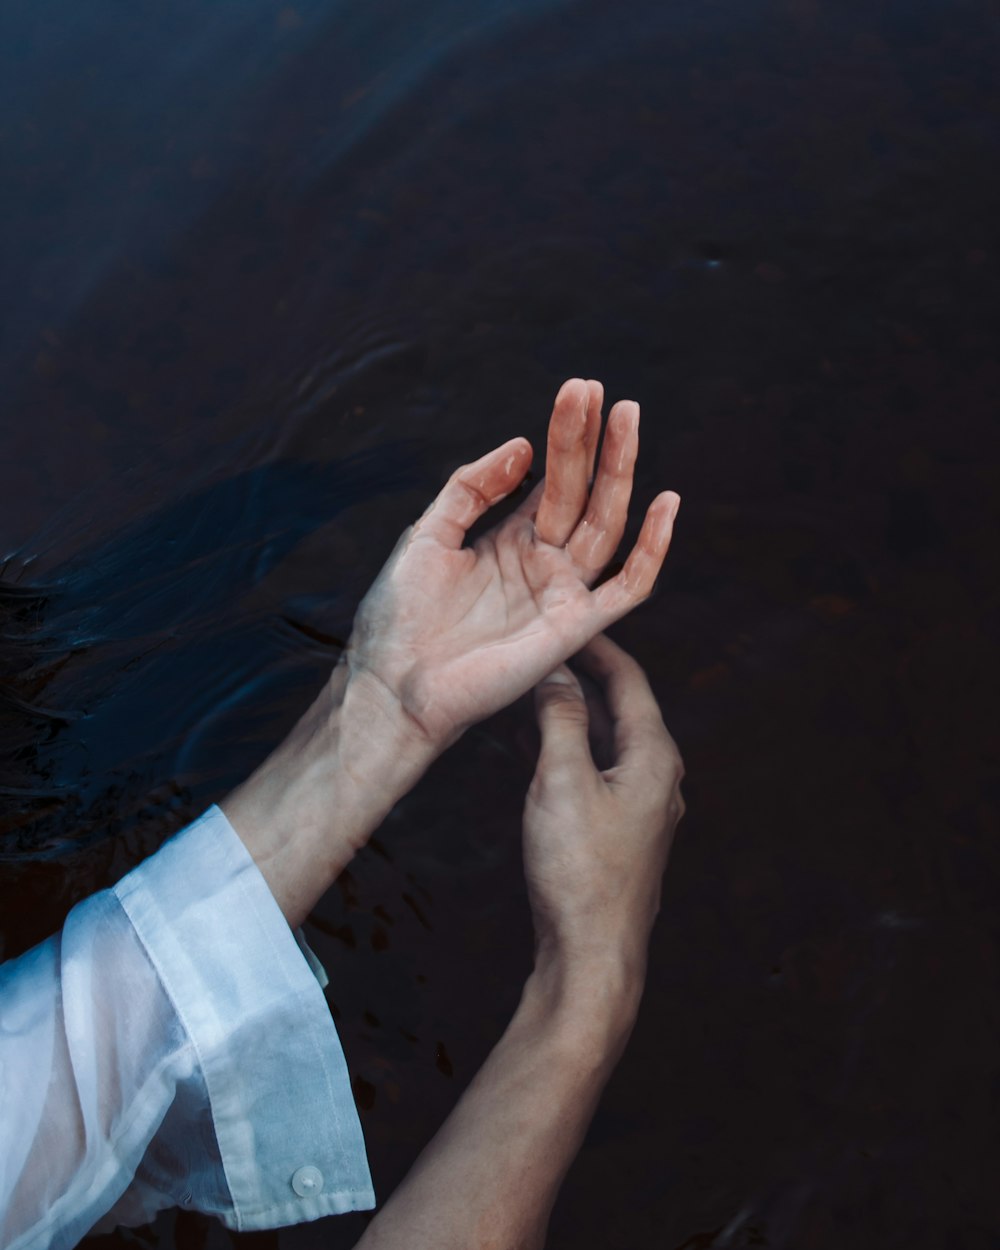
(270, 273)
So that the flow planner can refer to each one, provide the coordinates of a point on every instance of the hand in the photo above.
(596, 841)
(447, 635)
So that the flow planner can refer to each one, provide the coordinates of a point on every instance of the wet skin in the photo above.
(452, 634)
(447, 635)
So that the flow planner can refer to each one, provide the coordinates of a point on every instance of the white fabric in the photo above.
(171, 1046)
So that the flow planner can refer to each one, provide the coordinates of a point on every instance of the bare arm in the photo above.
(490, 1176)
(448, 634)
(317, 799)
(596, 844)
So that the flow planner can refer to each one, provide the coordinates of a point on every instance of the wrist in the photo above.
(592, 1000)
(317, 799)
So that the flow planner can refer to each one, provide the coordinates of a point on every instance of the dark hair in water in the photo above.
(152, 671)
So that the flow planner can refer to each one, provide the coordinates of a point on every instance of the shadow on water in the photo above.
(278, 272)
(131, 665)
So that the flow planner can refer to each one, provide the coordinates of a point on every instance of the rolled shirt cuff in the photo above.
(247, 991)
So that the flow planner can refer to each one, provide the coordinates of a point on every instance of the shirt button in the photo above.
(307, 1181)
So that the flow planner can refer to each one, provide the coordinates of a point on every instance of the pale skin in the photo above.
(595, 847)
(447, 635)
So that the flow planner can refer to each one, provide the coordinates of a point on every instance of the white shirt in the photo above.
(172, 1047)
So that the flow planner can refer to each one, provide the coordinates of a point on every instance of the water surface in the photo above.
(270, 273)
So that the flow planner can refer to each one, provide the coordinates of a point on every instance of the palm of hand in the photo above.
(455, 633)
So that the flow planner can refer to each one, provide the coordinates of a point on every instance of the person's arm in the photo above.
(141, 1047)
(448, 634)
(168, 1047)
(490, 1176)
(318, 798)
(596, 844)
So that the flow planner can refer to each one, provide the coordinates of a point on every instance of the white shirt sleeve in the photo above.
(172, 1046)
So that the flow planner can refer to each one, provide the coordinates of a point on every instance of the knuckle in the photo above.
(667, 766)
(569, 707)
(670, 750)
(659, 740)
(470, 489)
(556, 693)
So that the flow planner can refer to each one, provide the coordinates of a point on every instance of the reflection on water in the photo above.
(271, 271)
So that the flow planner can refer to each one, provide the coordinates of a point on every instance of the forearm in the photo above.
(317, 799)
(490, 1176)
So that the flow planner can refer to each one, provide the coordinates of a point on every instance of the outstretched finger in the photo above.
(472, 490)
(566, 465)
(620, 594)
(595, 401)
(596, 538)
(595, 405)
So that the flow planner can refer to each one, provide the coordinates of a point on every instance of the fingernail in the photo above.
(559, 678)
(628, 414)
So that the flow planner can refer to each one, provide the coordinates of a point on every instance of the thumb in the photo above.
(561, 708)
